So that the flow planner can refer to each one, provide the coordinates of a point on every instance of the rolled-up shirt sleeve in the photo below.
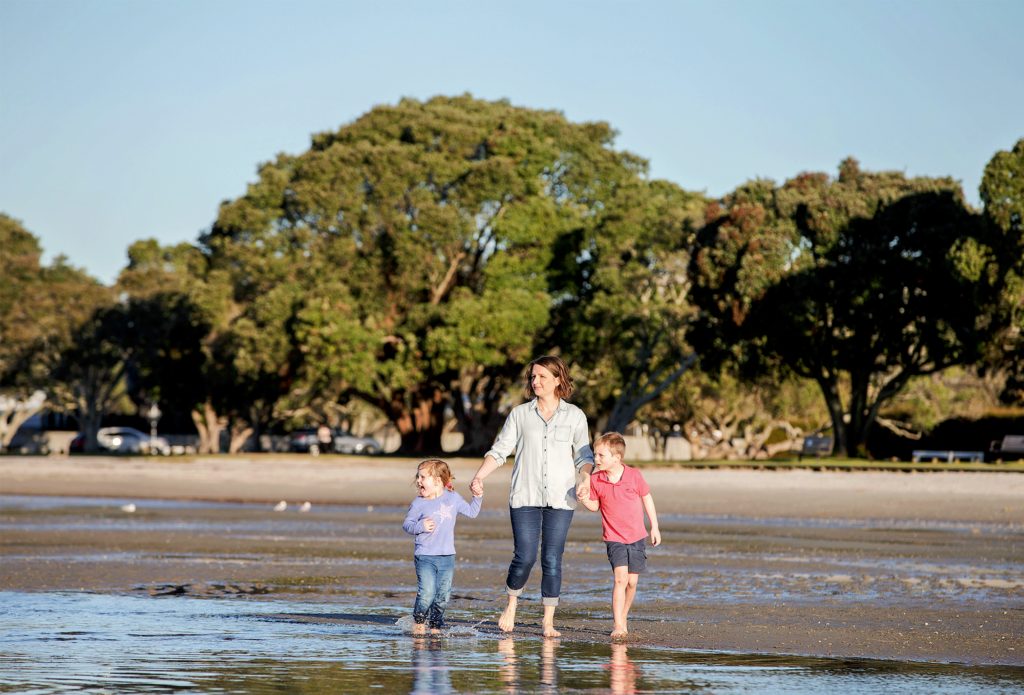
(583, 454)
(505, 443)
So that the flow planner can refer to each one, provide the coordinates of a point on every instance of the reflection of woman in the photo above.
(508, 670)
(552, 451)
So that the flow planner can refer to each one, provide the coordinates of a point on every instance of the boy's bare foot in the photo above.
(550, 631)
(507, 620)
(419, 629)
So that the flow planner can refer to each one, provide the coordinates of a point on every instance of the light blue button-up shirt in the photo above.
(548, 454)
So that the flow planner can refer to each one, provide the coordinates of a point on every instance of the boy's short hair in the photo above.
(614, 441)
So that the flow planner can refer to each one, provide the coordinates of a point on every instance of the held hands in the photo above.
(476, 486)
(583, 489)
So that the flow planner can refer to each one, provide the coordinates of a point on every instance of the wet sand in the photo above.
(926, 567)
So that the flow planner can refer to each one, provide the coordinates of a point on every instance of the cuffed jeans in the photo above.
(433, 588)
(546, 528)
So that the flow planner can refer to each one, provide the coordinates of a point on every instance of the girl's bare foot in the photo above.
(419, 629)
(550, 631)
(507, 620)
(619, 632)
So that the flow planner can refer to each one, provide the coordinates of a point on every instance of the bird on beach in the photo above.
(280, 506)
(306, 506)
(128, 508)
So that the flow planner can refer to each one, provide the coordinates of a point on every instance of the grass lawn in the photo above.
(842, 464)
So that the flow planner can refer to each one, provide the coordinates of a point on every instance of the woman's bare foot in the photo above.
(419, 629)
(435, 631)
(507, 620)
(550, 631)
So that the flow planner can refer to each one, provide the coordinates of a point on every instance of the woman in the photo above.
(552, 452)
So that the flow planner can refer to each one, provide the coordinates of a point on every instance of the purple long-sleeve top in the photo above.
(443, 510)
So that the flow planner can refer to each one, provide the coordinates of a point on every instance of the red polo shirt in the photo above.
(622, 509)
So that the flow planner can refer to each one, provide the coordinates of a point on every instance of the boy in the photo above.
(622, 495)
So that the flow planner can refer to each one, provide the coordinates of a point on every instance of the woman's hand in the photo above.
(476, 486)
(583, 489)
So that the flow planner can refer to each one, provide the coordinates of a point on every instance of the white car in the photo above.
(128, 440)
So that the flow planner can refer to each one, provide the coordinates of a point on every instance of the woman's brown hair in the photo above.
(558, 369)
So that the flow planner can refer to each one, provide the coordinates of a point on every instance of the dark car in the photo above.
(305, 440)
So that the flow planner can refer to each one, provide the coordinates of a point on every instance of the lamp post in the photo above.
(154, 417)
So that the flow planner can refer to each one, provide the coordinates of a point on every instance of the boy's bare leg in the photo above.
(630, 593)
(619, 606)
(507, 620)
(549, 622)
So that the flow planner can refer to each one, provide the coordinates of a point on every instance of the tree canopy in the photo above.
(858, 283)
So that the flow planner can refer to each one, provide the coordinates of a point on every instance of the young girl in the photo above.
(431, 520)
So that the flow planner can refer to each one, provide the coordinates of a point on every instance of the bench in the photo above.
(816, 446)
(1010, 446)
(947, 455)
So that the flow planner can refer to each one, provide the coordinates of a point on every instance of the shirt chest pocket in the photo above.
(563, 434)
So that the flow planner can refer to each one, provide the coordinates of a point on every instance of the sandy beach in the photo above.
(925, 567)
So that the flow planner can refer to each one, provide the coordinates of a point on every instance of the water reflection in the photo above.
(61, 642)
(622, 672)
(509, 668)
(545, 680)
(431, 673)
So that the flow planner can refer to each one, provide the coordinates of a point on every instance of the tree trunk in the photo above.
(635, 396)
(209, 425)
(14, 412)
(239, 435)
(421, 425)
(475, 405)
(836, 413)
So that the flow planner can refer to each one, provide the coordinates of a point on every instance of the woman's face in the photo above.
(542, 381)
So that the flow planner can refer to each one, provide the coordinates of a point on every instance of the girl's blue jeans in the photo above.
(538, 527)
(433, 588)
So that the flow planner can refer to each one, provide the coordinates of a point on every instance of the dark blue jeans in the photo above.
(433, 588)
(544, 528)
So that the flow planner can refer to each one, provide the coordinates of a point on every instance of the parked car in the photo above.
(123, 440)
(305, 440)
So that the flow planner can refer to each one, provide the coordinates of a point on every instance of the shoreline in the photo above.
(869, 565)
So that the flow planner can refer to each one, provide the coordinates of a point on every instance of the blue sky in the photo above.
(123, 120)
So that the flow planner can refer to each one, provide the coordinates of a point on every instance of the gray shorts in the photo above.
(631, 555)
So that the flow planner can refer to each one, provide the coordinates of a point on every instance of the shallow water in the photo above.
(57, 642)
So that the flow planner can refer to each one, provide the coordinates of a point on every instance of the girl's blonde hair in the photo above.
(557, 367)
(438, 469)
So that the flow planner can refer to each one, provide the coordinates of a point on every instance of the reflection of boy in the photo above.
(622, 496)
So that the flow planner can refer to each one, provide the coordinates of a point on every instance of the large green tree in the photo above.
(626, 306)
(416, 245)
(41, 307)
(1002, 193)
(858, 283)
